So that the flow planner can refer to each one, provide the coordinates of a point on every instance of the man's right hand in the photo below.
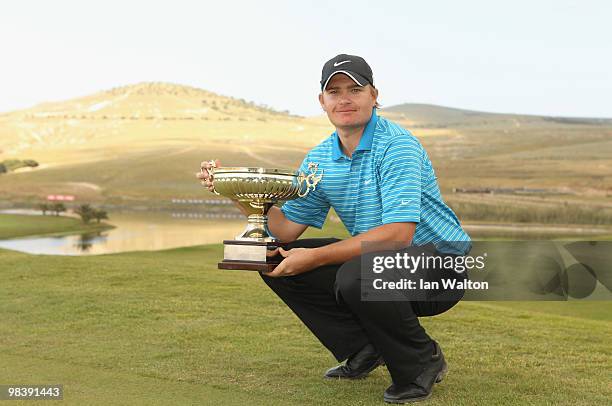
(205, 178)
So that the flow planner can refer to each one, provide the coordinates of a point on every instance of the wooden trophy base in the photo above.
(250, 256)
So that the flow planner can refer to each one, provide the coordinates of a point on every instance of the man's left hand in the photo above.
(295, 262)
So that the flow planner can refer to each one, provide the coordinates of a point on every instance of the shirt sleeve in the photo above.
(400, 172)
(310, 210)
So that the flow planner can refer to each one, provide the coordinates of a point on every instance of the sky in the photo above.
(530, 57)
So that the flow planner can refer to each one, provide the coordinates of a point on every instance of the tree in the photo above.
(100, 215)
(85, 211)
(12, 164)
(44, 207)
(58, 208)
(3, 168)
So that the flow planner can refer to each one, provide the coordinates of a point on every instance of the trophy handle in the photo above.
(211, 172)
(311, 179)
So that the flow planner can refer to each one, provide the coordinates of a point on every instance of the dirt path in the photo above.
(86, 185)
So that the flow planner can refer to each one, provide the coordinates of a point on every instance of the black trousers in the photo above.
(328, 301)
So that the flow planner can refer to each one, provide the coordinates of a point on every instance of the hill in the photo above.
(433, 116)
(142, 144)
(150, 100)
(143, 141)
(141, 113)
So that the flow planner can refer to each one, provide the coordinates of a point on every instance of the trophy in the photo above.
(256, 190)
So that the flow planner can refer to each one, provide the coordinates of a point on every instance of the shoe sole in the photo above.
(438, 379)
(362, 375)
(401, 402)
(442, 374)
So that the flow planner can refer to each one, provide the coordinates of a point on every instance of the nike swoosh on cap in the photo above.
(340, 63)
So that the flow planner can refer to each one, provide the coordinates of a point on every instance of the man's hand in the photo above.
(297, 261)
(204, 176)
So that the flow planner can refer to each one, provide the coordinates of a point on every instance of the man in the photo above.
(379, 180)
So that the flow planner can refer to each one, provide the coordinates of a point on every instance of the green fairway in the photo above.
(17, 225)
(584, 309)
(167, 327)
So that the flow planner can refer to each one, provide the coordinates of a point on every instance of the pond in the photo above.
(157, 230)
(135, 231)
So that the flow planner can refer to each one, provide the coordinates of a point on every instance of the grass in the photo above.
(168, 327)
(17, 225)
(562, 214)
(592, 310)
(114, 329)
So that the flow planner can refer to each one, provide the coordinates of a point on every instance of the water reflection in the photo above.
(86, 241)
(148, 231)
(138, 231)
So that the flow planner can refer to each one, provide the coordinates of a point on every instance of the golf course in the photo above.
(165, 326)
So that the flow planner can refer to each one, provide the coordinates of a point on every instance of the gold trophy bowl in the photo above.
(256, 190)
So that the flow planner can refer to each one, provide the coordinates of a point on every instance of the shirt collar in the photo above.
(365, 142)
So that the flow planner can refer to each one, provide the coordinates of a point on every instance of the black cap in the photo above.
(353, 66)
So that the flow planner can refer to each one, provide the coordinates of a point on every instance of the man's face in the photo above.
(346, 103)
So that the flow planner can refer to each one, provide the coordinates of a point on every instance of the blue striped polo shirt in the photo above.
(388, 179)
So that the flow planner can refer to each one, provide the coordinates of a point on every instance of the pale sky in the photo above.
(532, 57)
